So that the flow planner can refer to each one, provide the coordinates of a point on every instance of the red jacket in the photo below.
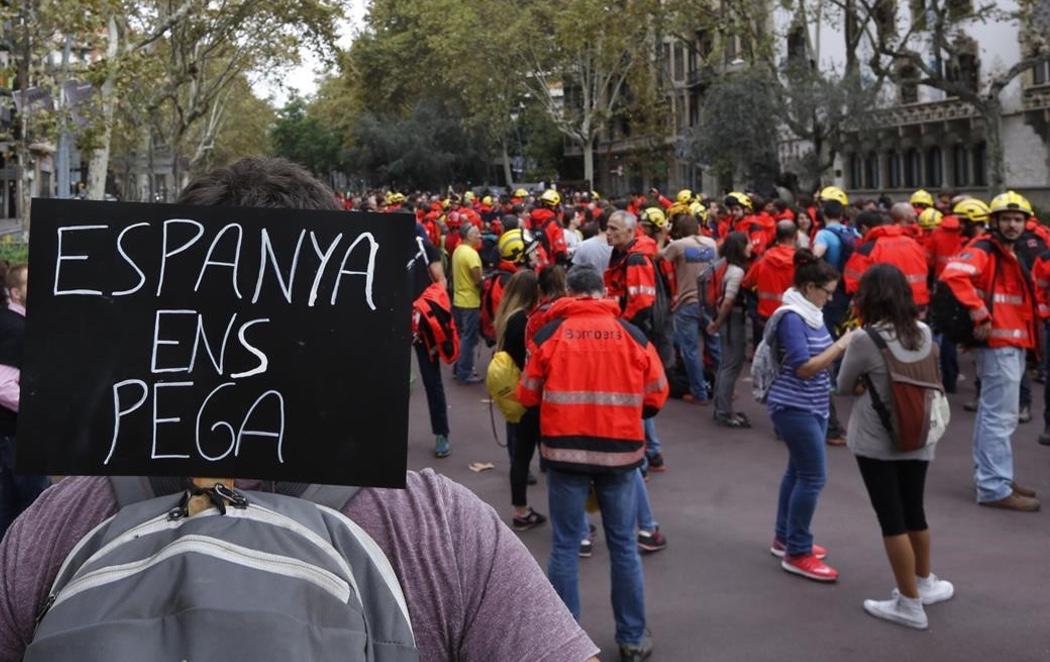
(1005, 293)
(631, 280)
(594, 377)
(1041, 277)
(1040, 230)
(491, 295)
(943, 244)
(888, 244)
(760, 229)
(771, 276)
(545, 221)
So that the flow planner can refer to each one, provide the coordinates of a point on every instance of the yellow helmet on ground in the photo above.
(469, 196)
(698, 210)
(684, 197)
(520, 193)
(654, 216)
(834, 193)
(921, 197)
(514, 245)
(738, 199)
(550, 197)
(972, 210)
(1010, 201)
(930, 218)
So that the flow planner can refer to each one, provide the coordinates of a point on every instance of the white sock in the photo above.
(911, 603)
(925, 581)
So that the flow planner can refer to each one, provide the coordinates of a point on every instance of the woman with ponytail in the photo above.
(798, 404)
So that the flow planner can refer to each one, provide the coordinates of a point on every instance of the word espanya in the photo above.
(181, 332)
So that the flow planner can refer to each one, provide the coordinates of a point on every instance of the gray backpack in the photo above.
(259, 576)
(768, 361)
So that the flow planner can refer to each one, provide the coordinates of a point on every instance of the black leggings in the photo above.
(895, 488)
(526, 437)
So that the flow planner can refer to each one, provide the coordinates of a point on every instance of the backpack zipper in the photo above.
(222, 550)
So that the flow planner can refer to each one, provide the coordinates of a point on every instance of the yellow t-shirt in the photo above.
(465, 294)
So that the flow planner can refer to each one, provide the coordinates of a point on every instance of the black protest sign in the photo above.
(216, 341)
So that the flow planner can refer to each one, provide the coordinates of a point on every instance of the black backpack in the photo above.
(948, 316)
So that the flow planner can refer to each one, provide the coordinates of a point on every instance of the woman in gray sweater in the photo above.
(895, 480)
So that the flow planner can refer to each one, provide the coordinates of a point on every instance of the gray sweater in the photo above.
(865, 434)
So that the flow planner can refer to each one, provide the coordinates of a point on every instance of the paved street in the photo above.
(717, 594)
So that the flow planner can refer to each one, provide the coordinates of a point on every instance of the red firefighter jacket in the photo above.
(594, 377)
(890, 245)
(992, 282)
(943, 244)
(491, 295)
(1041, 277)
(544, 221)
(771, 276)
(760, 229)
(631, 280)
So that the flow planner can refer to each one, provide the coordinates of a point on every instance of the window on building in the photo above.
(960, 166)
(679, 62)
(796, 44)
(893, 169)
(980, 156)
(694, 109)
(871, 171)
(1041, 74)
(704, 43)
(912, 168)
(691, 60)
(679, 115)
(666, 57)
(731, 48)
(934, 167)
(908, 85)
(855, 174)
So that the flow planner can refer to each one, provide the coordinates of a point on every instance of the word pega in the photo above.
(225, 251)
(209, 418)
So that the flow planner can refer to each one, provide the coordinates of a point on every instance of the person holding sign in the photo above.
(17, 492)
(461, 574)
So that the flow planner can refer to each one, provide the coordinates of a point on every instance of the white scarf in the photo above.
(796, 303)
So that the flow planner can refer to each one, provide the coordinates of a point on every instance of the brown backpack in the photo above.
(917, 414)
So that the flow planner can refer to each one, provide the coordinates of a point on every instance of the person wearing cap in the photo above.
(545, 226)
(927, 222)
(989, 279)
(921, 200)
(517, 251)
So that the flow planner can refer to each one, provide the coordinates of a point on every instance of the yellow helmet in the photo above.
(515, 245)
(520, 193)
(551, 197)
(698, 210)
(834, 193)
(446, 203)
(684, 197)
(1010, 201)
(738, 198)
(972, 210)
(921, 197)
(654, 216)
(487, 201)
(930, 218)
(595, 196)
(469, 196)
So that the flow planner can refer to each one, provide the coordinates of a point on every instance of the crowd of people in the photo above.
(596, 312)
(846, 297)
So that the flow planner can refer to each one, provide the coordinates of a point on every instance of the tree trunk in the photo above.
(588, 162)
(992, 113)
(508, 174)
(98, 166)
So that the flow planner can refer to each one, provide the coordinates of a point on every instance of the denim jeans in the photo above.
(803, 432)
(645, 509)
(17, 491)
(652, 442)
(430, 372)
(1000, 371)
(949, 363)
(687, 340)
(733, 348)
(616, 500)
(468, 321)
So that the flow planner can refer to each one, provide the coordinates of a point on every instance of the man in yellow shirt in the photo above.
(466, 300)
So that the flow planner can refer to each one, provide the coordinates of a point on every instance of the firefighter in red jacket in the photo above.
(968, 219)
(887, 244)
(543, 221)
(989, 279)
(516, 252)
(594, 376)
(772, 275)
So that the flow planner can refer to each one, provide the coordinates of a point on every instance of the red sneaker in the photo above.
(778, 549)
(809, 567)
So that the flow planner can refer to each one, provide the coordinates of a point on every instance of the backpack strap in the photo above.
(876, 402)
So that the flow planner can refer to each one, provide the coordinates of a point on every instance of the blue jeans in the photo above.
(1000, 371)
(652, 442)
(616, 499)
(468, 321)
(804, 433)
(645, 510)
(687, 340)
(17, 491)
(430, 372)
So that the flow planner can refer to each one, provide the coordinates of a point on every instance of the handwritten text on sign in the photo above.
(216, 341)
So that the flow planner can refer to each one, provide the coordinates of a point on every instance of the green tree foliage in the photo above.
(302, 138)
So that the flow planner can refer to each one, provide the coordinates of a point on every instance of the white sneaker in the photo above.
(934, 589)
(899, 609)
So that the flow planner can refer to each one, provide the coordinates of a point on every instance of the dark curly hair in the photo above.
(811, 269)
(259, 182)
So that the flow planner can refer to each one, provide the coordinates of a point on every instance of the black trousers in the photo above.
(526, 438)
(896, 488)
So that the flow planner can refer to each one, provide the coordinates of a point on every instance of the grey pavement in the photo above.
(716, 593)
